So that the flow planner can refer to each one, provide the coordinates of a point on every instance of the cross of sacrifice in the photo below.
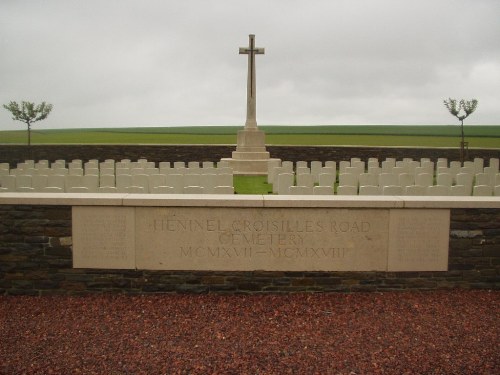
(251, 51)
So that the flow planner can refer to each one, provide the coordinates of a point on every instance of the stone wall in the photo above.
(36, 259)
(17, 153)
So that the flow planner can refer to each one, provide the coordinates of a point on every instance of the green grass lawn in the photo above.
(252, 185)
(256, 185)
(383, 135)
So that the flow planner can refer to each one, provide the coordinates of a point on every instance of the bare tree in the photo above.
(28, 113)
(461, 111)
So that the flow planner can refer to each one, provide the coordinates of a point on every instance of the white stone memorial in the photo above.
(256, 238)
(272, 239)
(250, 157)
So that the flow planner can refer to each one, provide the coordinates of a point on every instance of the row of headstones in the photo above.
(140, 183)
(109, 167)
(176, 180)
(285, 185)
(393, 178)
(407, 165)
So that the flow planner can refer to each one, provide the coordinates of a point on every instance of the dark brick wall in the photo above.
(36, 259)
(16, 153)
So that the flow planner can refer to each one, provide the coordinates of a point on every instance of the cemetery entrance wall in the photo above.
(41, 241)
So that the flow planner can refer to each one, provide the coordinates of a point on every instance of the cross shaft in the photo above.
(251, 51)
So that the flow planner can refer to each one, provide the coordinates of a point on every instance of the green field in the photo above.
(369, 135)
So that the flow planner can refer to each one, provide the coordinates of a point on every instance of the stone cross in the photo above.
(251, 51)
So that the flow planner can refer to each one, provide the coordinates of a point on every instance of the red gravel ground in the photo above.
(444, 332)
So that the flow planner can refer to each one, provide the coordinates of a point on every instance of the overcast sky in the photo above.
(124, 63)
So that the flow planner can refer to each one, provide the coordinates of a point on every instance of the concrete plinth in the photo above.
(250, 157)
(251, 141)
(248, 167)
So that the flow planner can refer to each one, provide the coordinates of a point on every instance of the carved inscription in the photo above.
(261, 239)
(103, 237)
(419, 240)
(248, 252)
(273, 239)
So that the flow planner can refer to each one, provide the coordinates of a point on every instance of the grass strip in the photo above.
(252, 185)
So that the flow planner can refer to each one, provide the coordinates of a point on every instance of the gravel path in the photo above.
(443, 332)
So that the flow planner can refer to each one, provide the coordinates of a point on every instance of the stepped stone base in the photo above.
(239, 155)
(251, 141)
(250, 157)
(256, 167)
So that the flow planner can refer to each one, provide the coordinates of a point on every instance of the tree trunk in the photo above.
(29, 134)
(462, 144)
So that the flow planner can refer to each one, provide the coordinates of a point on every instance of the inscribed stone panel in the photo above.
(103, 237)
(246, 239)
(418, 240)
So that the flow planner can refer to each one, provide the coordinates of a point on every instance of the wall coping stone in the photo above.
(265, 201)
